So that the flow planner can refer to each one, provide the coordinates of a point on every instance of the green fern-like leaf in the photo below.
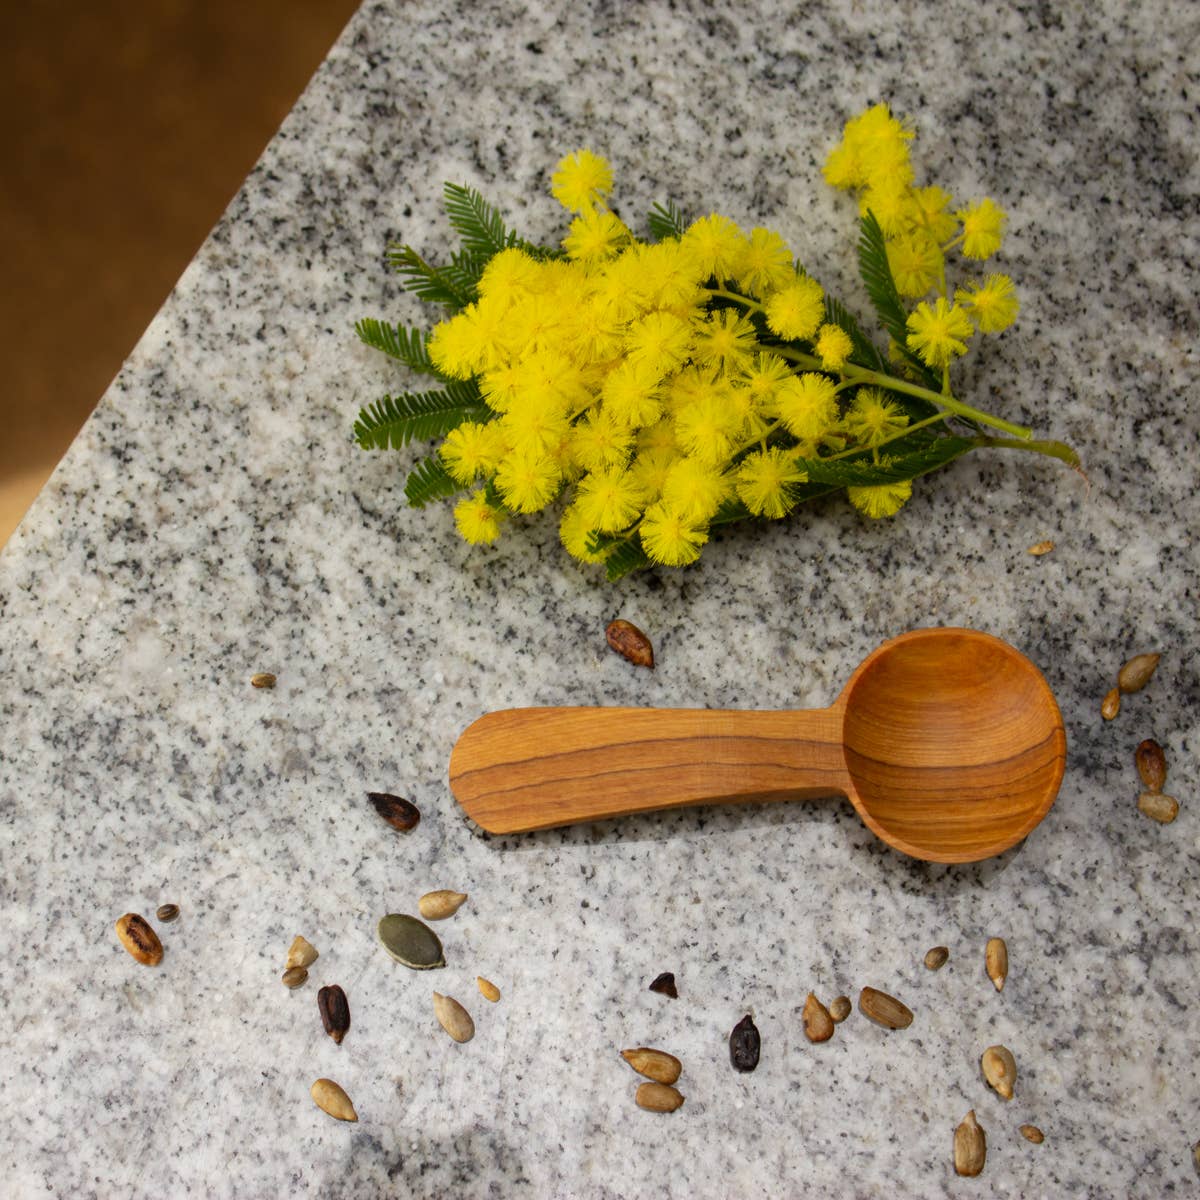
(666, 221)
(453, 285)
(410, 346)
(428, 481)
(395, 421)
(876, 274)
(918, 457)
(478, 223)
(623, 558)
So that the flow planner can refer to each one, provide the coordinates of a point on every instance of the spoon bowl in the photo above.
(948, 742)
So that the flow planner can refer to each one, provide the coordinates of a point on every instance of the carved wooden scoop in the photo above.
(947, 741)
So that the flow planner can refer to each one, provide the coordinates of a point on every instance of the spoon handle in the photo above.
(534, 768)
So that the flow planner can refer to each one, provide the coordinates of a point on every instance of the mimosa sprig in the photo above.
(652, 389)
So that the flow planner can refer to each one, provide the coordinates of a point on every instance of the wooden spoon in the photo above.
(947, 741)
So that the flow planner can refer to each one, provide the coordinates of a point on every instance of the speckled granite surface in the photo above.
(214, 519)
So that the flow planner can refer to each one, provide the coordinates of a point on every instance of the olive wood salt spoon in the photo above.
(948, 742)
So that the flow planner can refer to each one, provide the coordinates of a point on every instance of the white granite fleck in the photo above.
(215, 519)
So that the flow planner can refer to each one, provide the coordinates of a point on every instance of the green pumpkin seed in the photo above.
(411, 942)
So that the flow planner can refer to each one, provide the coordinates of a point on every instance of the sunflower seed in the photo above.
(1151, 764)
(1135, 674)
(1000, 1070)
(840, 1009)
(630, 643)
(1158, 806)
(395, 810)
(301, 953)
(654, 1064)
(883, 1009)
(453, 1018)
(330, 1098)
(294, 977)
(818, 1022)
(1111, 704)
(935, 959)
(1033, 1134)
(264, 679)
(335, 1012)
(658, 1097)
(487, 989)
(745, 1045)
(411, 942)
(436, 906)
(664, 984)
(995, 961)
(139, 939)
(970, 1146)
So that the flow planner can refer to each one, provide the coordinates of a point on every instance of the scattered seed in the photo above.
(167, 912)
(487, 989)
(654, 1064)
(1151, 765)
(665, 984)
(436, 906)
(395, 810)
(335, 1012)
(1000, 1070)
(995, 961)
(745, 1045)
(410, 942)
(1135, 674)
(1158, 806)
(1111, 704)
(630, 643)
(1196, 1157)
(818, 1022)
(840, 1009)
(453, 1018)
(935, 959)
(658, 1097)
(970, 1146)
(294, 977)
(883, 1009)
(264, 679)
(301, 953)
(1040, 548)
(330, 1098)
(1033, 1134)
(139, 939)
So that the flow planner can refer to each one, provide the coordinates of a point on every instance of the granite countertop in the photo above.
(214, 519)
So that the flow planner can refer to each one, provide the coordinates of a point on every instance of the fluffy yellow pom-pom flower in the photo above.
(873, 419)
(669, 538)
(982, 224)
(833, 347)
(795, 311)
(766, 481)
(882, 500)
(581, 180)
(992, 305)
(528, 481)
(808, 406)
(938, 333)
(478, 522)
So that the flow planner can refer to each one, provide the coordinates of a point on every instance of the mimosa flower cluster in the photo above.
(649, 390)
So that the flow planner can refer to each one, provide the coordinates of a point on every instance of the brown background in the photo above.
(126, 126)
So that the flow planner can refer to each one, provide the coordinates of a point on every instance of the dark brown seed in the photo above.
(397, 812)
(139, 939)
(167, 912)
(840, 1009)
(335, 1012)
(1151, 764)
(744, 1045)
(665, 984)
(630, 642)
(264, 679)
(935, 959)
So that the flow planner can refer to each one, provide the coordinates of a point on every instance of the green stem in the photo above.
(856, 374)
(903, 433)
(1051, 449)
